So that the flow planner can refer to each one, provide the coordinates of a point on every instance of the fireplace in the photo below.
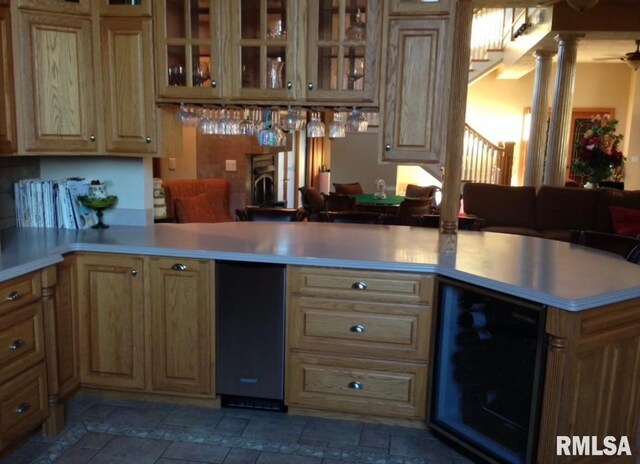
(264, 179)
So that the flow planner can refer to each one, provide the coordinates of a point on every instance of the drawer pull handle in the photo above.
(13, 296)
(357, 329)
(24, 407)
(178, 267)
(134, 272)
(355, 385)
(16, 345)
(359, 286)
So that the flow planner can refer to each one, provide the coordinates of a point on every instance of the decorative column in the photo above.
(559, 128)
(448, 238)
(538, 131)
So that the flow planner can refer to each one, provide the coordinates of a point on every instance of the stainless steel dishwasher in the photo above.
(250, 315)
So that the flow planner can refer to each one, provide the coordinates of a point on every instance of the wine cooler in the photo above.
(488, 372)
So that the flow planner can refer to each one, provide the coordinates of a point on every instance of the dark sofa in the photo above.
(551, 212)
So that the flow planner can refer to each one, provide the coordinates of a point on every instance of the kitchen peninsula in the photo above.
(592, 318)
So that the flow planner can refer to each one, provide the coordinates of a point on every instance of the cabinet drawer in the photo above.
(378, 330)
(19, 292)
(21, 340)
(23, 404)
(354, 385)
(361, 285)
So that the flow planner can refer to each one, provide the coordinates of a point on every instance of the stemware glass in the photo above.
(356, 122)
(187, 116)
(337, 127)
(315, 127)
(206, 126)
(290, 121)
(200, 74)
(357, 30)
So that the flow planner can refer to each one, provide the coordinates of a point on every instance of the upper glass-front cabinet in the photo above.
(344, 39)
(188, 49)
(264, 49)
(125, 7)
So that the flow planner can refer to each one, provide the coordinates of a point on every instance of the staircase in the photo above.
(492, 30)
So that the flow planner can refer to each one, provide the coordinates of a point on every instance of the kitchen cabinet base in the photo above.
(393, 421)
(152, 397)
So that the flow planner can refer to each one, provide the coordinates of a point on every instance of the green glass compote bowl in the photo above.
(98, 205)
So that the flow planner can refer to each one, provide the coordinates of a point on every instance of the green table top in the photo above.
(369, 199)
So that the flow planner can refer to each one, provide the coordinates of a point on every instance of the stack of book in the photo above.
(52, 203)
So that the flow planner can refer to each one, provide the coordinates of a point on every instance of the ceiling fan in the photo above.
(632, 58)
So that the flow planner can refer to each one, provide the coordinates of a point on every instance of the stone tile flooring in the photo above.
(113, 431)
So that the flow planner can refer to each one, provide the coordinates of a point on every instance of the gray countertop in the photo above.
(560, 274)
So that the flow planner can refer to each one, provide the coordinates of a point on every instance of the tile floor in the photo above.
(113, 431)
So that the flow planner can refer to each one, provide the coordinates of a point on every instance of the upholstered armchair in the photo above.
(198, 200)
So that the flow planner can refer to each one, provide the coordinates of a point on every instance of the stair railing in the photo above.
(487, 31)
(484, 161)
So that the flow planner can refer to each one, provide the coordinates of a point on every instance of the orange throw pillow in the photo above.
(197, 208)
(626, 221)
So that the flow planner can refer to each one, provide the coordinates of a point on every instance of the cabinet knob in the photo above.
(134, 272)
(387, 147)
(24, 407)
(16, 345)
(355, 385)
(359, 286)
(289, 85)
(13, 296)
(214, 83)
(357, 329)
(92, 138)
(178, 267)
(310, 85)
(148, 139)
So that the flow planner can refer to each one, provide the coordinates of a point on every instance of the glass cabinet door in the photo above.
(188, 41)
(263, 53)
(344, 41)
(125, 7)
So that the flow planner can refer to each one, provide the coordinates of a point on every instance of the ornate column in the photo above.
(448, 238)
(538, 131)
(558, 146)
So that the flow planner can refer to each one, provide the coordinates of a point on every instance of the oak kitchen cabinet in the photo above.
(111, 308)
(315, 51)
(86, 81)
(146, 324)
(23, 389)
(419, 6)
(413, 114)
(182, 317)
(358, 341)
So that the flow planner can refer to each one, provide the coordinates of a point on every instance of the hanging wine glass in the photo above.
(315, 127)
(356, 122)
(206, 125)
(358, 29)
(337, 128)
(186, 116)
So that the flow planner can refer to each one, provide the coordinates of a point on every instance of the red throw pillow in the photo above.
(626, 221)
(196, 208)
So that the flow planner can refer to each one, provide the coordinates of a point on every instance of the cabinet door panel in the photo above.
(111, 304)
(419, 6)
(181, 324)
(66, 330)
(57, 68)
(7, 102)
(127, 62)
(414, 116)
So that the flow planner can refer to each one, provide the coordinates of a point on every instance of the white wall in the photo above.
(355, 159)
(495, 108)
(128, 178)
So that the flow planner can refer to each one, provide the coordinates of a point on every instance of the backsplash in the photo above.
(11, 170)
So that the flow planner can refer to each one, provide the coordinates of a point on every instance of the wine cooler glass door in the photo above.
(489, 359)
